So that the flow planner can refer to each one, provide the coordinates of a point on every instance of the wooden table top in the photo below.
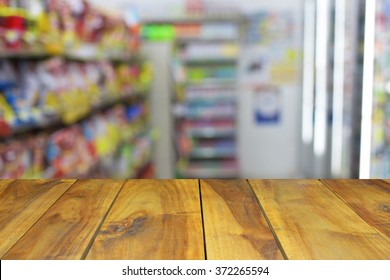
(195, 219)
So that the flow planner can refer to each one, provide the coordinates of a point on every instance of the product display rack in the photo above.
(105, 100)
(380, 135)
(73, 93)
(136, 134)
(205, 77)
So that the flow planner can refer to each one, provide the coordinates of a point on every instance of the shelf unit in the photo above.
(376, 144)
(132, 152)
(205, 73)
(73, 93)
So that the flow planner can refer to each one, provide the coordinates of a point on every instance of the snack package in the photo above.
(14, 160)
(90, 132)
(134, 30)
(7, 84)
(68, 25)
(30, 87)
(10, 94)
(48, 73)
(60, 153)
(111, 85)
(68, 153)
(37, 145)
(34, 12)
(5, 128)
(92, 76)
(85, 157)
(13, 25)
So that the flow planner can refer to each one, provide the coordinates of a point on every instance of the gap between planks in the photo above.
(346, 203)
(89, 246)
(268, 222)
(73, 195)
(148, 214)
(305, 215)
(43, 214)
(202, 217)
(363, 217)
(235, 227)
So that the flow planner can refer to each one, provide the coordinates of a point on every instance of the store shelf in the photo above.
(209, 60)
(210, 108)
(211, 116)
(232, 86)
(215, 53)
(204, 18)
(54, 120)
(209, 111)
(217, 93)
(72, 95)
(212, 82)
(205, 73)
(120, 57)
(23, 54)
(190, 39)
(210, 100)
(209, 132)
(74, 55)
(375, 148)
(118, 167)
(212, 152)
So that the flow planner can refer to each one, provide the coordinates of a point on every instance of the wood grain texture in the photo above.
(311, 222)
(4, 184)
(368, 198)
(65, 231)
(234, 225)
(22, 203)
(153, 219)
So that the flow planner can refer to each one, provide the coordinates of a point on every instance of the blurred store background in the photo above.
(195, 89)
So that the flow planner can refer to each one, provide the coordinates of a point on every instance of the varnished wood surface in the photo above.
(233, 222)
(153, 219)
(65, 231)
(370, 199)
(194, 219)
(22, 203)
(311, 222)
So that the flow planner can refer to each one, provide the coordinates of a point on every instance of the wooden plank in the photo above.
(153, 219)
(368, 198)
(311, 222)
(4, 184)
(22, 203)
(235, 227)
(65, 231)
